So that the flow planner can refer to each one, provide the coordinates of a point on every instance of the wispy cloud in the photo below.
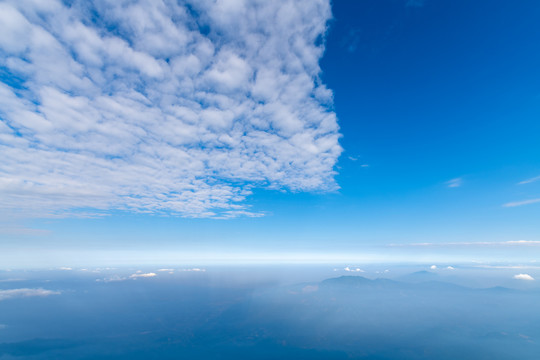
(472, 243)
(143, 111)
(521, 203)
(194, 270)
(113, 278)
(351, 41)
(507, 266)
(22, 293)
(528, 181)
(454, 183)
(523, 277)
(310, 288)
(20, 230)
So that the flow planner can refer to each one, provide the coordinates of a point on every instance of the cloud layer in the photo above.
(20, 293)
(155, 106)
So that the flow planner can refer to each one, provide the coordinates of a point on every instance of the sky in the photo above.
(310, 131)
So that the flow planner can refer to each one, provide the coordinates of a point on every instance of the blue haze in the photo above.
(224, 313)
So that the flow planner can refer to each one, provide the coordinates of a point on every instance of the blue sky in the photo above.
(207, 130)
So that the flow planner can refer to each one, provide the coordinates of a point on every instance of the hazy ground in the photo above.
(269, 312)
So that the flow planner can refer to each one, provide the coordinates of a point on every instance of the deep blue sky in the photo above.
(438, 104)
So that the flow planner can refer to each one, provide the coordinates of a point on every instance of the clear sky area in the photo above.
(365, 131)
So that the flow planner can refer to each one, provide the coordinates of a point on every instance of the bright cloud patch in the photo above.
(523, 277)
(143, 275)
(161, 107)
(21, 293)
(353, 269)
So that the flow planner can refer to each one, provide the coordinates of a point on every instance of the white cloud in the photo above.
(450, 268)
(65, 268)
(194, 269)
(167, 270)
(523, 277)
(25, 292)
(457, 182)
(142, 275)
(113, 278)
(158, 115)
(528, 181)
(433, 267)
(353, 269)
(521, 203)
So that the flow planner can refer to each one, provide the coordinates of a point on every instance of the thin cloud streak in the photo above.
(521, 203)
(454, 183)
(528, 181)
(474, 243)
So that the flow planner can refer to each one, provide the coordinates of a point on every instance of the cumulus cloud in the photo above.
(142, 275)
(25, 292)
(353, 269)
(162, 107)
(523, 277)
